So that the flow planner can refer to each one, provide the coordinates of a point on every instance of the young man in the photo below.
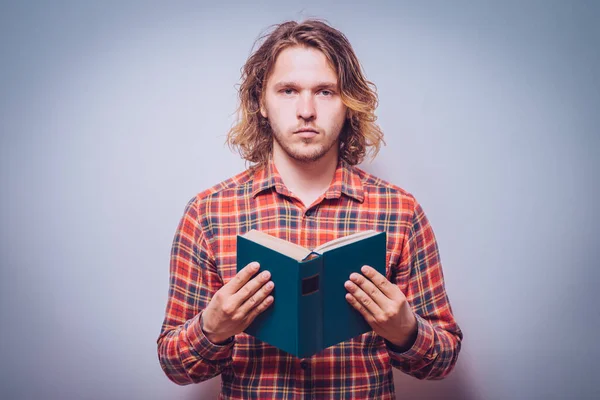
(306, 118)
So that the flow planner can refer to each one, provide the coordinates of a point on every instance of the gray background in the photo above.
(113, 115)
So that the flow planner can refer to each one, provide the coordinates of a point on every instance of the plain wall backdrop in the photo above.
(114, 114)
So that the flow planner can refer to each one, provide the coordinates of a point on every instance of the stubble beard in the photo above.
(297, 150)
(300, 154)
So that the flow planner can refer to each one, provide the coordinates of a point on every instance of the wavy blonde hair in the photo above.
(252, 136)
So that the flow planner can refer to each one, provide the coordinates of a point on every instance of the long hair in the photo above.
(252, 135)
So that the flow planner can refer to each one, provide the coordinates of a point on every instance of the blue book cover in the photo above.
(310, 311)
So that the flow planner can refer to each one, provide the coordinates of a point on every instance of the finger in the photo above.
(250, 288)
(370, 289)
(386, 287)
(262, 307)
(257, 298)
(358, 307)
(364, 300)
(242, 277)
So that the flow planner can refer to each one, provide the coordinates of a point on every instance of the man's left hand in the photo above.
(383, 305)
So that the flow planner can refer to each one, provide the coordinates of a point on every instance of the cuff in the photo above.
(420, 348)
(203, 347)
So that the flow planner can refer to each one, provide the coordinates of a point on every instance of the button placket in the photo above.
(308, 380)
(304, 364)
(310, 222)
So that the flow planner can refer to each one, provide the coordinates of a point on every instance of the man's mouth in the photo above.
(306, 133)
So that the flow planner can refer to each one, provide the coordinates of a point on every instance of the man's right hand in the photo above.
(237, 303)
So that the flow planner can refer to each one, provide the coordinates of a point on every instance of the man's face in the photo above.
(303, 105)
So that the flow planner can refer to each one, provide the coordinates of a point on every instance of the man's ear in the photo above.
(263, 109)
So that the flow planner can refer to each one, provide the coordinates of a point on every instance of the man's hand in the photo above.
(237, 303)
(383, 305)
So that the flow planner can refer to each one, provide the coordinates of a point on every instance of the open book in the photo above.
(310, 311)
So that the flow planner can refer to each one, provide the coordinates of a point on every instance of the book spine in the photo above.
(310, 308)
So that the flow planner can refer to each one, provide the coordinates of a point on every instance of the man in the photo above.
(306, 118)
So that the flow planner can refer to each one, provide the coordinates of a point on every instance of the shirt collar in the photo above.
(346, 180)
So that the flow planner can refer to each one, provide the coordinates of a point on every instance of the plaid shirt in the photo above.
(203, 258)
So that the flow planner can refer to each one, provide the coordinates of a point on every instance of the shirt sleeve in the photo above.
(185, 354)
(435, 349)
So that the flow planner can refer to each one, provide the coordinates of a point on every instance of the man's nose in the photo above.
(306, 106)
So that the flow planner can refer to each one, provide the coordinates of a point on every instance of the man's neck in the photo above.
(306, 180)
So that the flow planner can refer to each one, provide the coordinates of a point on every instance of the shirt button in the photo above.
(304, 364)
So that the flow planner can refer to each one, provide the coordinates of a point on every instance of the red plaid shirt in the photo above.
(203, 258)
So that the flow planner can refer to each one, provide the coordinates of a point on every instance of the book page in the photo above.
(339, 242)
(274, 243)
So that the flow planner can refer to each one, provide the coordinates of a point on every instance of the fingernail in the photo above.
(270, 285)
(364, 269)
(265, 275)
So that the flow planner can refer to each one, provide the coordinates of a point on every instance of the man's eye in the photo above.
(288, 91)
(326, 92)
